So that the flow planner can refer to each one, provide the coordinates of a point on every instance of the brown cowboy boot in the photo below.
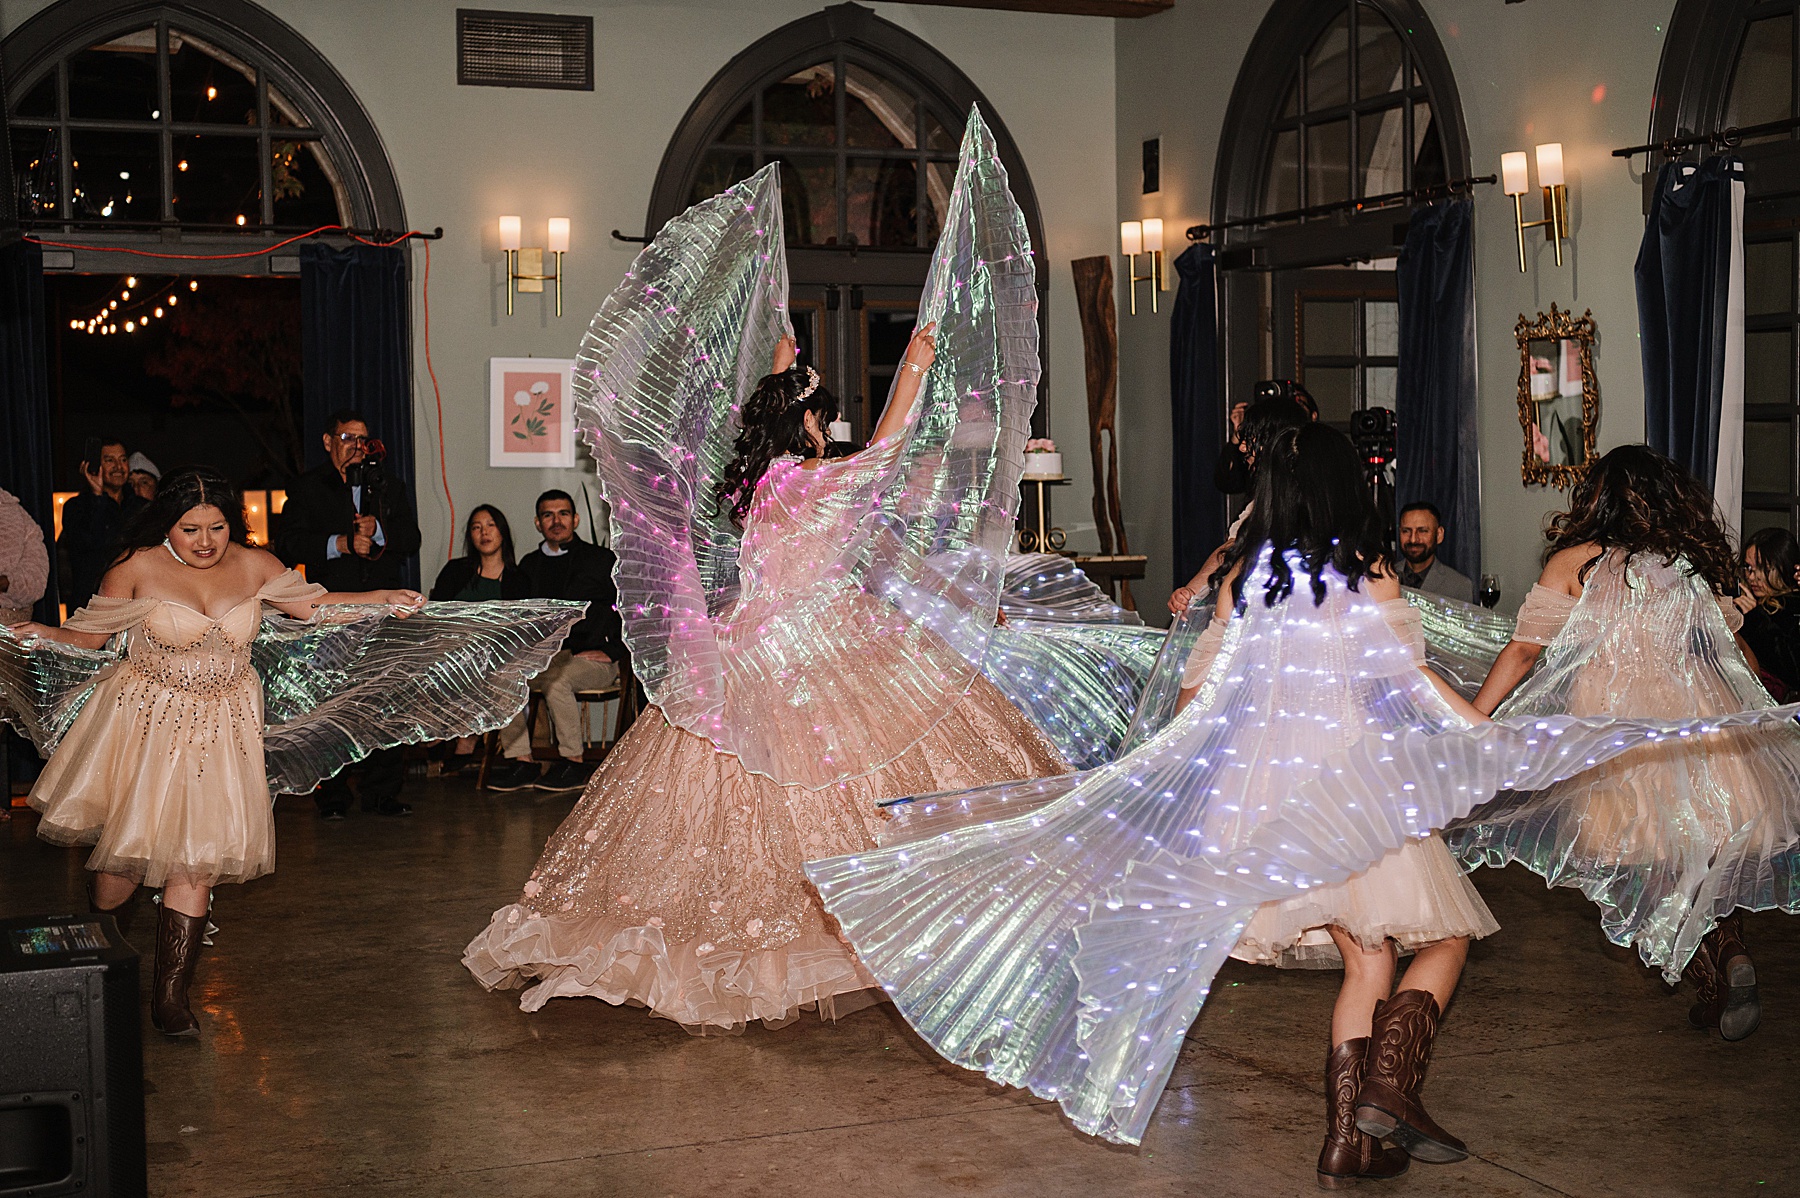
(1349, 1156)
(1388, 1105)
(122, 914)
(177, 951)
(1725, 982)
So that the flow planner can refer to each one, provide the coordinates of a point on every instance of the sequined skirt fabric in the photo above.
(676, 882)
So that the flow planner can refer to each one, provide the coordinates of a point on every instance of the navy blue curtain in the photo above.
(25, 398)
(356, 349)
(1683, 280)
(1197, 410)
(1435, 391)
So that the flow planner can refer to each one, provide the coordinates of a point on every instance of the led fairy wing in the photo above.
(335, 693)
(43, 685)
(658, 382)
(1461, 640)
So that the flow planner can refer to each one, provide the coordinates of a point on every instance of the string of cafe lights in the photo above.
(152, 304)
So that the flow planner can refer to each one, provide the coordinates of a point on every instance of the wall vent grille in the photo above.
(524, 49)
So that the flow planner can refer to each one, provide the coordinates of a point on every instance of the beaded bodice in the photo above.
(186, 650)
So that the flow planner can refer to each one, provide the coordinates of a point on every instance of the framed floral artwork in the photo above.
(531, 412)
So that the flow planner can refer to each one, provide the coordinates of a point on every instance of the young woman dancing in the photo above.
(804, 627)
(1062, 934)
(1633, 614)
(163, 770)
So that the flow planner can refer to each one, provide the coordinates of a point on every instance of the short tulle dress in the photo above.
(1668, 839)
(162, 771)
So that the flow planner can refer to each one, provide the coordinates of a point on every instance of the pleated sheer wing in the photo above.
(335, 690)
(1669, 839)
(1461, 639)
(1061, 935)
(893, 556)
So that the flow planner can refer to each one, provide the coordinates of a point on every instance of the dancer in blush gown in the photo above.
(1672, 842)
(809, 631)
(160, 757)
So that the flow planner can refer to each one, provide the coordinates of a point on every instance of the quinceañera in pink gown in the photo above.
(822, 659)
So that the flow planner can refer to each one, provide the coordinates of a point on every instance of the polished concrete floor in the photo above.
(346, 1052)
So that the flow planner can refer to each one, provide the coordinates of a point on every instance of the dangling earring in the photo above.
(171, 548)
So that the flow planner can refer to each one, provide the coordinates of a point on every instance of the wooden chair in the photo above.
(625, 690)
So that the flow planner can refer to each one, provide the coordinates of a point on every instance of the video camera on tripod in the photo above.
(1375, 433)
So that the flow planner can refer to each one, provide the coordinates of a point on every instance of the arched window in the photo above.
(204, 119)
(1336, 100)
(865, 120)
(1731, 63)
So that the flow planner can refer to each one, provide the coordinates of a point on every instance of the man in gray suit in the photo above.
(1421, 532)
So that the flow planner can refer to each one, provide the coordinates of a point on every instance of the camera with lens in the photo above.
(1289, 390)
(1374, 432)
(368, 475)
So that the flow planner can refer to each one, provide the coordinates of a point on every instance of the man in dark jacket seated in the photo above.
(351, 528)
(566, 567)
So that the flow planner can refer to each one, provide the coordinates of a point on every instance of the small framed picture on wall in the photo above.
(531, 415)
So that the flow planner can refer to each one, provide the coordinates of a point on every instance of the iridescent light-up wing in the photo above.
(658, 382)
(1461, 640)
(1079, 683)
(935, 545)
(1068, 947)
(43, 685)
(1048, 586)
(453, 669)
(355, 682)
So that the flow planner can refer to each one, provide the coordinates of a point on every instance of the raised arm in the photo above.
(921, 351)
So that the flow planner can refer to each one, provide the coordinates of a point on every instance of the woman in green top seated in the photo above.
(486, 570)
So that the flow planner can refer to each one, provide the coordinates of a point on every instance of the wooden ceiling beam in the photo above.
(1074, 8)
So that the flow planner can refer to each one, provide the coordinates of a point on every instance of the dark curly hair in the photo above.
(1636, 500)
(774, 423)
(1311, 498)
(178, 493)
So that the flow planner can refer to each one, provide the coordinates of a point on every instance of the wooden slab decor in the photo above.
(1100, 348)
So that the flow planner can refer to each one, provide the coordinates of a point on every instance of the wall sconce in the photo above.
(1142, 237)
(1513, 171)
(525, 265)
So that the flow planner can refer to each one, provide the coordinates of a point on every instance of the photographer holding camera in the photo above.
(350, 531)
(93, 519)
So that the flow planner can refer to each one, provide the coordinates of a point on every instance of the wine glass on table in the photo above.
(1488, 594)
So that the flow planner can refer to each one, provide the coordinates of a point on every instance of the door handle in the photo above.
(856, 299)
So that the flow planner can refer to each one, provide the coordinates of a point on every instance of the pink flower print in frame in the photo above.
(530, 419)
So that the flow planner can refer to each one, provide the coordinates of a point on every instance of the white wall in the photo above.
(463, 155)
(1526, 73)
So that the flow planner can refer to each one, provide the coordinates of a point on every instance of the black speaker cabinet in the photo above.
(71, 1060)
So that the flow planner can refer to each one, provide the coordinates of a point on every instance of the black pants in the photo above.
(376, 779)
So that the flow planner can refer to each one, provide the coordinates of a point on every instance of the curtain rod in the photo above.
(1727, 137)
(152, 226)
(1392, 199)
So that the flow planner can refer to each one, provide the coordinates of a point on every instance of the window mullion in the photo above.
(65, 157)
(840, 67)
(266, 175)
(165, 139)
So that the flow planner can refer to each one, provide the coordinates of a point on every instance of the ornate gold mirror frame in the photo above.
(1558, 327)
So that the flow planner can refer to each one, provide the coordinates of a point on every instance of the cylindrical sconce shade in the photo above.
(1153, 236)
(558, 242)
(1550, 164)
(509, 232)
(1513, 172)
(1131, 237)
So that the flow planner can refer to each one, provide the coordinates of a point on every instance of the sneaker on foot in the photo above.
(564, 775)
(514, 775)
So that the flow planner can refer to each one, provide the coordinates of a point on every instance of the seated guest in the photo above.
(93, 520)
(565, 567)
(1772, 609)
(486, 570)
(351, 531)
(1421, 533)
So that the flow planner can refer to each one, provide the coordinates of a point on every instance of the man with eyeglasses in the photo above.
(348, 531)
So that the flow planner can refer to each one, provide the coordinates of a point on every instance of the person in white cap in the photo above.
(144, 477)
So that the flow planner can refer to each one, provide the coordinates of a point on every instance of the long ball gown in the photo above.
(823, 658)
(1062, 934)
(1669, 839)
(164, 756)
